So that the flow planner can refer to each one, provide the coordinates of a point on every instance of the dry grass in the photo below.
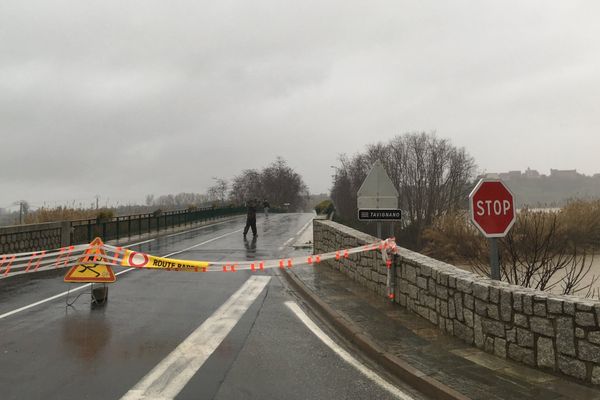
(65, 214)
(544, 250)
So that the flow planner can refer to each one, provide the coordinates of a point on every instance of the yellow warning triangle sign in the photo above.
(87, 270)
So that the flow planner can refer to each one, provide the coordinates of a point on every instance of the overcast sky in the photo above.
(123, 99)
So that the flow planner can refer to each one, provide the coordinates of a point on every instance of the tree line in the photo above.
(276, 183)
(544, 250)
(432, 176)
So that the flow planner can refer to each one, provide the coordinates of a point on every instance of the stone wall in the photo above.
(539, 329)
(25, 238)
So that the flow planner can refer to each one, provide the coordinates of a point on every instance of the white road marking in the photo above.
(180, 233)
(304, 227)
(18, 310)
(285, 244)
(369, 373)
(56, 296)
(138, 243)
(202, 227)
(27, 307)
(297, 234)
(200, 244)
(171, 375)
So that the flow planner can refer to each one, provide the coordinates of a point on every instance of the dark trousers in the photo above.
(250, 223)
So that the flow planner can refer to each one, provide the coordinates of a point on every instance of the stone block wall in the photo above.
(25, 238)
(539, 329)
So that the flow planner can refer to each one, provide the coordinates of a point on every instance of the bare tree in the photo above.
(178, 201)
(149, 199)
(218, 192)
(246, 186)
(282, 185)
(278, 183)
(432, 176)
(190, 199)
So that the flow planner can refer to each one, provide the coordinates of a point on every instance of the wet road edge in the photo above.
(393, 364)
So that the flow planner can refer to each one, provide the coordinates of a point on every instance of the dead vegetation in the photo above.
(551, 251)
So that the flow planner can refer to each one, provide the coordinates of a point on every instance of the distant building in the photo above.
(563, 173)
(531, 173)
(489, 175)
(534, 174)
(507, 176)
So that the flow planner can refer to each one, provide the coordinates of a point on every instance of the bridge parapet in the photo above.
(23, 238)
(542, 330)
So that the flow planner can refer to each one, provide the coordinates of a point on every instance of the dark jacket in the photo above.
(251, 212)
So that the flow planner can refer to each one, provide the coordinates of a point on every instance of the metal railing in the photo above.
(84, 231)
(35, 237)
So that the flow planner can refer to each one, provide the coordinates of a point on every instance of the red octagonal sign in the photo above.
(492, 207)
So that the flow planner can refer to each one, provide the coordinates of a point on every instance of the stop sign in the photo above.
(492, 207)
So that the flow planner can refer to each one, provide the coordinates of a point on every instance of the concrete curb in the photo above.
(398, 367)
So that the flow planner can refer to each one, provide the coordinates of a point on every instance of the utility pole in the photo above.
(20, 213)
(97, 199)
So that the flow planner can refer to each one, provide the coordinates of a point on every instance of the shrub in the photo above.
(545, 250)
(104, 215)
(453, 239)
(325, 207)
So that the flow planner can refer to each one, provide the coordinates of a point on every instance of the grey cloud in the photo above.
(159, 97)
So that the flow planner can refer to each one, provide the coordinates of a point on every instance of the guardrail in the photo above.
(84, 231)
(34, 237)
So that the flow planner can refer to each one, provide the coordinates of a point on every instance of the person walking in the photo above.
(266, 207)
(251, 218)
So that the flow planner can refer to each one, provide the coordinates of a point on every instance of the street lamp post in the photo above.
(336, 171)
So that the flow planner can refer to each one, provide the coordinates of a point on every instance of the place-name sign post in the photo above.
(379, 214)
(377, 200)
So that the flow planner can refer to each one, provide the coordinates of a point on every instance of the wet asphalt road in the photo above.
(56, 352)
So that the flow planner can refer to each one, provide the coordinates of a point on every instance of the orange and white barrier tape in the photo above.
(14, 264)
(117, 256)
(20, 263)
(142, 260)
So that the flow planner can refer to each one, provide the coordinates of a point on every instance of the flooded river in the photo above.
(592, 279)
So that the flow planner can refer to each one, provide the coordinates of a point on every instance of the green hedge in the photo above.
(325, 207)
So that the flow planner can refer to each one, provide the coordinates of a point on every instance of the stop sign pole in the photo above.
(492, 208)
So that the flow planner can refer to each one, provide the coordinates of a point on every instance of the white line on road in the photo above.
(304, 227)
(78, 288)
(285, 244)
(56, 296)
(200, 244)
(171, 375)
(181, 233)
(18, 310)
(202, 227)
(344, 354)
(296, 235)
(138, 243)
